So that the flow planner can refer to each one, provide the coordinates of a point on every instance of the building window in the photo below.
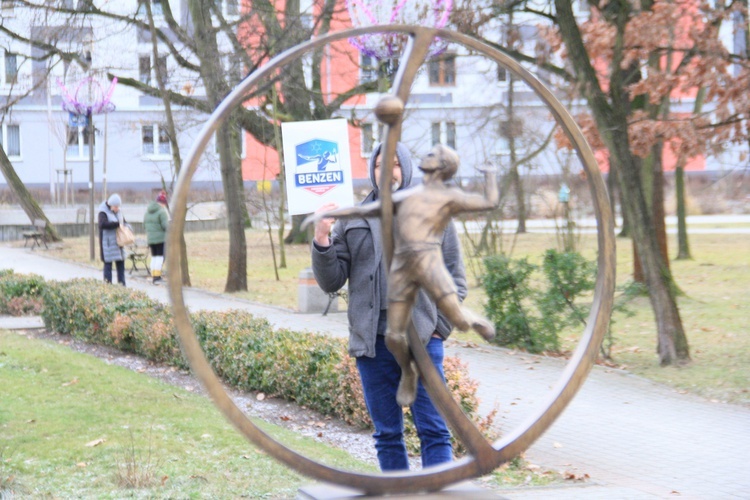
(370, 132)
(436, 133)
(10, 68)
(78, 143)
(582, 7)
(8, 7)
(229, 8)
(502, 73)
(371, 68)
(442, 70)
(444, 133)
(368, 69)
(155, 140)
(450, 134)
(156, 8)
(11, 140)
(147, 73)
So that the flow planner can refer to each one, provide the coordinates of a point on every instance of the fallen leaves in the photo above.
(574, 476)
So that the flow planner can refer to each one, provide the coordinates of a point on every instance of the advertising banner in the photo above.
(318, 165)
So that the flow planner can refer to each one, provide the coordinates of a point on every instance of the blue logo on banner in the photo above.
(318, 169)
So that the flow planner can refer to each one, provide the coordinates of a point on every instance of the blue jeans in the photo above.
(380, 376)
(120, 264)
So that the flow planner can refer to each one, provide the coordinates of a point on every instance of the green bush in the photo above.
(150, 333)
(86, 309)
(529, 318)
(246, 352)
(249, 354)
(20, 294)
(506, 283)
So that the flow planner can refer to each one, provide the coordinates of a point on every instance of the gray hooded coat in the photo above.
(356, 255)
(108, 224)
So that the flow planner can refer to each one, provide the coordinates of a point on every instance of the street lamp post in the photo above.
(90, 125)
(88, 99)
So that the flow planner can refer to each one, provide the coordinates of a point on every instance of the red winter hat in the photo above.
(162, 198)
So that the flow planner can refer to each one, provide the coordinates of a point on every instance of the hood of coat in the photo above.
(154, 207)
(110, 213)
(103, 207)
(404, 158)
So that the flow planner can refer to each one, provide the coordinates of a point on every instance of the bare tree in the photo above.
(161, 79)
(218, 50)
(29, 205)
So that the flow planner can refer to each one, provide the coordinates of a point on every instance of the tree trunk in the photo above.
(616, 194)
(237, 269)
(683, 248)
(161, 80)
(297, 236)
(672, 345)
(653, 180)
(27, 202)
(212, 75)
(515, 177)
(612, 120)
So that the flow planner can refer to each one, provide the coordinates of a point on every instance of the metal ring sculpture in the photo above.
(484, 457)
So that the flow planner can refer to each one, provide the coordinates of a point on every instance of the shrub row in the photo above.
(20, 294)
(313, 370)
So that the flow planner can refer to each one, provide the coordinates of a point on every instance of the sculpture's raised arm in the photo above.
(491, 198)
(344, 213)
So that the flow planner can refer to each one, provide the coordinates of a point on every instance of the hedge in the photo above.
(20, 294)
(246, 352)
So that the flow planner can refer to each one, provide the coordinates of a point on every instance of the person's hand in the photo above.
(324, 224)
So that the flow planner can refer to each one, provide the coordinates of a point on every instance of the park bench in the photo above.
(36, 234)
(137, 253)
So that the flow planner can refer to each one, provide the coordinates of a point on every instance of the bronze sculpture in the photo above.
(483, 456)
(422, 214)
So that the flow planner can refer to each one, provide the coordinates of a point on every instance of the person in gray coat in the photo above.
(110, 218)
(353, 253)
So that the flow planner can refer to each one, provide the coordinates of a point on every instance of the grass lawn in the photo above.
(72, 426)
(714, 306)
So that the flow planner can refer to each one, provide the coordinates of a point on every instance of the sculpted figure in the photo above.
(421, 214)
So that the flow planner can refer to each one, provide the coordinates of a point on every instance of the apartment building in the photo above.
(459, 98)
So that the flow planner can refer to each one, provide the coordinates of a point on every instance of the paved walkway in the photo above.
(633, 438)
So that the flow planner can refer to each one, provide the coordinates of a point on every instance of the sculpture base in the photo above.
(324, 491)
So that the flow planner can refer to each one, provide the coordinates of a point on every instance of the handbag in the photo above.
(125, 236)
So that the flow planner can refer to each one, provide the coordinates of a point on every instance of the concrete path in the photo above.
(633, 439)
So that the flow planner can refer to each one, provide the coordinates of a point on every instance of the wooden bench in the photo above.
(37, 235)
(138, 253)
